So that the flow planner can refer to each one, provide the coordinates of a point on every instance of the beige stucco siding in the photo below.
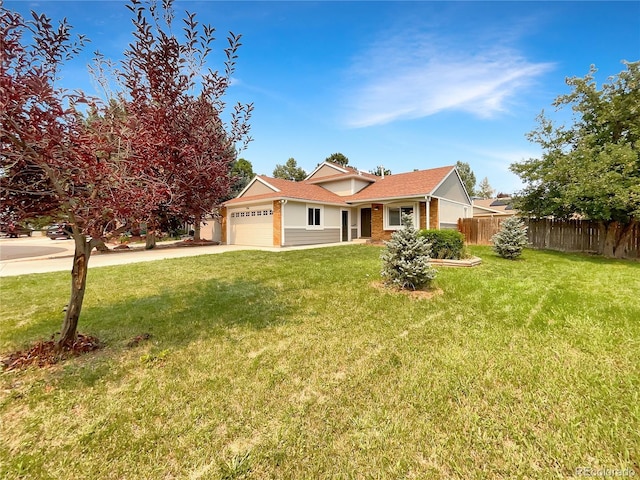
(297, 232)
(479, 211)
(450, 212)
(211, 229)
(354, 217)
(359, 184)
(325, 171)
(452, 189)
(295, 215)
(339, 187)
(332, 217)
(257, 188)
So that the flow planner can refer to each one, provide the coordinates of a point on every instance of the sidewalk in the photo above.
(63, 261)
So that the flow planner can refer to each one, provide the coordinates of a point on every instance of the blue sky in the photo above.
(407, 85)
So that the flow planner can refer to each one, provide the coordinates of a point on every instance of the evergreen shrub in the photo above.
(405, 260)
(510, 239)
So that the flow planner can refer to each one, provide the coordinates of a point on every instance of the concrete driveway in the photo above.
(62, 259)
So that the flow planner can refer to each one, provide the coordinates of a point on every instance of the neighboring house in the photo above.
(493, 207)
(339, 204)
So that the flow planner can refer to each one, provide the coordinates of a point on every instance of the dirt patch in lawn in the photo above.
(45, 353)
(422, 294)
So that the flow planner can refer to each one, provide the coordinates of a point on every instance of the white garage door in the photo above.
(253, 226)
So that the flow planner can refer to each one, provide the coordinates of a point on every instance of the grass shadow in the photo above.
(175, 316)
(178, 316)
(592, 258)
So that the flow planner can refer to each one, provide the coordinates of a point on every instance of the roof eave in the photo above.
(346, 176)
(488, 209)
(388, 199)
(249, 201)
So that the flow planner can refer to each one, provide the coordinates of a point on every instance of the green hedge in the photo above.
(445, 243)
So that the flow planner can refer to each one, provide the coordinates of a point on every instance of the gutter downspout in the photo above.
(282, 204)
(428, 203)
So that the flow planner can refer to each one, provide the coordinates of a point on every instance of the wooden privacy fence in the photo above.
(564, 235)
(478, 231)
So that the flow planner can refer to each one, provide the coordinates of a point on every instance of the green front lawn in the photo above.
(292, 365)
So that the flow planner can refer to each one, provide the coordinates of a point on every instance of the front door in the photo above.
(345, 226)
(365, 222)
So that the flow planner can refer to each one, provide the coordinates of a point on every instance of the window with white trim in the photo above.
(393, 217)
(314, 217)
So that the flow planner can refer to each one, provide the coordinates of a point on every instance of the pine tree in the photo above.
(405, 261)
(511, 239)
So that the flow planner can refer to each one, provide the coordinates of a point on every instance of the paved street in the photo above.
(28, 247)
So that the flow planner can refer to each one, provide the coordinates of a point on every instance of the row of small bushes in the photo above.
(449, 244)
(445, 244)
(405, 260)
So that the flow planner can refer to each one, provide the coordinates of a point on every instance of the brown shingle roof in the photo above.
(295, 190)
(421, 182)
(503, 206)
(401, 185)
(367, 175)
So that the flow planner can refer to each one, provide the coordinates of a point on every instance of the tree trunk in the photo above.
(150, 242)
(196, 229)
(78, 285)
(616, 237)
(101, 246)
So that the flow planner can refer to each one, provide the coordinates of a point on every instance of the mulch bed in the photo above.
(196, 243)
(139, 246)
(45, 353)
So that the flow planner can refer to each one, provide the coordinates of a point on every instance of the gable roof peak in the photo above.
(258, 178)
(416, 183)
(335, 166)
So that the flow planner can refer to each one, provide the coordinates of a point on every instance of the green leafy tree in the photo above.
(290, 171)
(510, 239)
(405, 260)
(241, 173)
(380, 171)
(337, 158)
(484, 189)
(592, 166)
(467, 176)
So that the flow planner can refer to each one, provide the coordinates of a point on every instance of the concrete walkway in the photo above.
(63, 261)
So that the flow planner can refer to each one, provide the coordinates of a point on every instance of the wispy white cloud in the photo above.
(418, 75)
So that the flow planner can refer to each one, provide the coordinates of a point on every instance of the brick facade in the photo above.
(378, 233)
(277, 223)
(433, 214)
